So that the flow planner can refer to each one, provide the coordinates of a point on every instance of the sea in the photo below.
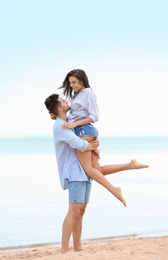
(33, 205)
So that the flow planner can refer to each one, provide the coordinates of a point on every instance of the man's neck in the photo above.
(63, 117)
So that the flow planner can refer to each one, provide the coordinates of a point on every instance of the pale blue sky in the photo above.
(122, 45)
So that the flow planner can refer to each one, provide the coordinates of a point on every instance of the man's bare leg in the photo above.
(77, 231)
(70, 221)
(67, 227)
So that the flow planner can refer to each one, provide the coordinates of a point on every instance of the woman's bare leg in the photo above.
(86, 162)
(90, 163)
(113, 168)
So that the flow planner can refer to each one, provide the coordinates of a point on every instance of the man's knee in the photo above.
(77, 210)
(82, 211)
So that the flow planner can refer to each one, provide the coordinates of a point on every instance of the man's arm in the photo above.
(75, 142)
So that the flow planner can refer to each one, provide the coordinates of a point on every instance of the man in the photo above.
(72, 175)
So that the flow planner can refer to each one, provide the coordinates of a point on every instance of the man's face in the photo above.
(64, 104)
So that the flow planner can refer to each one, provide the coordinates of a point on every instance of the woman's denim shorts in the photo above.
(85, 130)
(79, 191)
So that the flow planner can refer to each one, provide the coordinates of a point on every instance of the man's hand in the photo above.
(95, 143)
(92, 145)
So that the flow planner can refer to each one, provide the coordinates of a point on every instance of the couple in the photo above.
(72, 175)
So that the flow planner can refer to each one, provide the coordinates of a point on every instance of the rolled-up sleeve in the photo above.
(75, 142)
(92, 107)
(85, 105)
(65, 144)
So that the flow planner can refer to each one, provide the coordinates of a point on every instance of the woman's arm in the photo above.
(77, 123)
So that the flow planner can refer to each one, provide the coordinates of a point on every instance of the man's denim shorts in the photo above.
(85, 130)
(79, 191)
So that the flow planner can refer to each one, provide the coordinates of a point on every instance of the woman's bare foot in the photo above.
(137, 165)
(119, 196)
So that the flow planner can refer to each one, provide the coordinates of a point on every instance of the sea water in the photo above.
(33, 205)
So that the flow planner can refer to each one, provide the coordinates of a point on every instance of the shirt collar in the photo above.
(83, 90)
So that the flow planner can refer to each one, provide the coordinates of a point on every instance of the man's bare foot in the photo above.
(119, 196)
(137, 165)
(64, 250)
(77, 249)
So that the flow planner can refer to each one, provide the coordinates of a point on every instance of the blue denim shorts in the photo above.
(85, 130)
(79, 191)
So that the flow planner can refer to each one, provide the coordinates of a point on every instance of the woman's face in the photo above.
(76, 84)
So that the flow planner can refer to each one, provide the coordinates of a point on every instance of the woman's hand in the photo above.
(52, 116)
(69, 125)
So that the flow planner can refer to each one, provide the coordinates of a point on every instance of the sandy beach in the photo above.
(146, 248)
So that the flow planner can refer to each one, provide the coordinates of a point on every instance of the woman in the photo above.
(84, 111)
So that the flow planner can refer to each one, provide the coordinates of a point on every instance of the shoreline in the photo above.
(125, 248)
(99, 239)
(58, 244)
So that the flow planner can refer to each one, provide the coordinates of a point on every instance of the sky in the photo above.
(122, 45)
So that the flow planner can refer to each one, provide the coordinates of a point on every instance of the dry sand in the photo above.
(146, 248)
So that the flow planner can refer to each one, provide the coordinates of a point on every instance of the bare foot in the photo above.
(137, 165)
(64, 250)
(77, 249)
(119, 196)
